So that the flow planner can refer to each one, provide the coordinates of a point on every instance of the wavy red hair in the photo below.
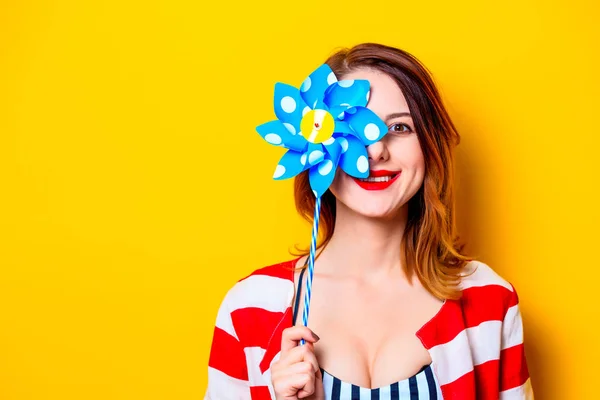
(431, 247)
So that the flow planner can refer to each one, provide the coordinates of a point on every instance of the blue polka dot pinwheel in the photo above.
(323, 125)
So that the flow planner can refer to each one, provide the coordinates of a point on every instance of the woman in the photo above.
(397, 309)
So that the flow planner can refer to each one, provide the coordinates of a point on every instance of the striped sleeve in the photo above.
(515, 383)
(227, 368)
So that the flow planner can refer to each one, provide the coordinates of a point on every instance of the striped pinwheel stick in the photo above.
(311, 264)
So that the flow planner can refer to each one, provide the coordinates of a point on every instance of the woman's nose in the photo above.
(377, 151)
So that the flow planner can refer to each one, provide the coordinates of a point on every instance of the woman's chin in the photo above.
(374, 210)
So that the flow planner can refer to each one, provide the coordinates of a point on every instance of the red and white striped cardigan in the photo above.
(475, 343)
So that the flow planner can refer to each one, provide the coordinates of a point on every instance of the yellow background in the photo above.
(135, 190)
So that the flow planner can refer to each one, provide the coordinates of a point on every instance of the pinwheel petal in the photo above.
(354, 160)
(289, 106)
(341, 139)
(348, 92)
(319, 104)
(315, 153)
(333, 148)
(290, 165)
(338, 112)
(276, 133)
(313, 88)
(343, 127)
(320, 176)
(366, 125)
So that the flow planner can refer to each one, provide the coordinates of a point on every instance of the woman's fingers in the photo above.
(293, 375)
(291, 337)
(303, 354)
(299, 354)
(291, 386)
(308, 388)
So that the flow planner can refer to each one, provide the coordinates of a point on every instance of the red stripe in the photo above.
(477, 305)
(274, 345)
(487, 303)
(491, 377)
(461, 389)
(486, 376)
(283, 270)
(254, 326)
(443, 327)
(227, 355)
(260, 393)
(513, 367)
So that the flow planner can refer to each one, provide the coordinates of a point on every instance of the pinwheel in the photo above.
(323, 124)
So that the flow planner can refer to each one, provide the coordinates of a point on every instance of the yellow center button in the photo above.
(317, 126)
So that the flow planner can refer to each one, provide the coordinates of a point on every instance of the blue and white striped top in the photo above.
(421, 386)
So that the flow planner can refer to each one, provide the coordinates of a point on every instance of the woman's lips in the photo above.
(378, 180)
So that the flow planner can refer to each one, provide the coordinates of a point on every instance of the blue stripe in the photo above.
(336, 389)
(395, 391)
(414, 389)
(375, 394)
(298, 297)
(431, 384)
(355, 392)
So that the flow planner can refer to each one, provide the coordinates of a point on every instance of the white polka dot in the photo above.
(325, 167)
(288, 104)
(368, 95)
(303, 159)
(343, 143)
(306, 84)
(331, 78)
(362, 164)
(290, 128)
(306, 109)
(371, 131)
(279, 171)
(329, 141)
(346, 83)
(314, 156)
(273, 138)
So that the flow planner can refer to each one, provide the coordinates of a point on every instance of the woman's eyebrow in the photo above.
(397, 115)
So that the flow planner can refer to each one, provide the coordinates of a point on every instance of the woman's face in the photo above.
(397, 165)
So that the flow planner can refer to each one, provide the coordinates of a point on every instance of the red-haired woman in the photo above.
(400, 311)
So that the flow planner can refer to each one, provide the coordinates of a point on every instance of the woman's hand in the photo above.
(296, 375)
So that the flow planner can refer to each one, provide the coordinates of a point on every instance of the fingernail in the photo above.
(316, 337)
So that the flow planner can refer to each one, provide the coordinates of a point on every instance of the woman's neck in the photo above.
(364, 247)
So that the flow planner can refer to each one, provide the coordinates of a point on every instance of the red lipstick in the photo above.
(378, 185)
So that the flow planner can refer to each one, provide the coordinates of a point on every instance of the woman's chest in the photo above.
(368, 338)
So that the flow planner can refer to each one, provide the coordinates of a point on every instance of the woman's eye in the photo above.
(400, 128)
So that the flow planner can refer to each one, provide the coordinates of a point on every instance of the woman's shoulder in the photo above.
(265, 287)
(481, 281)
